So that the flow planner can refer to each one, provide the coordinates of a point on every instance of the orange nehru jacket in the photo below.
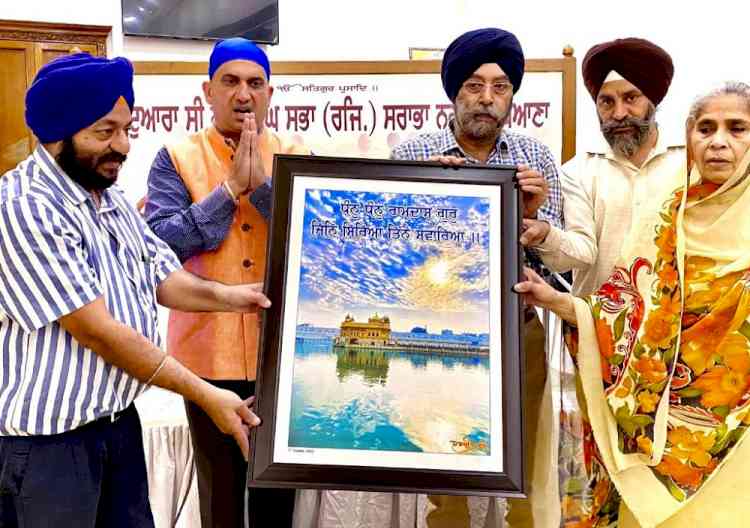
(222, 346)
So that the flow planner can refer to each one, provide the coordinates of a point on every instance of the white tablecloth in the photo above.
(172, 483)
(358, 509)
(173, 486)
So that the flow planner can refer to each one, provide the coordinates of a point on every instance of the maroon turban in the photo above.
(639, 61)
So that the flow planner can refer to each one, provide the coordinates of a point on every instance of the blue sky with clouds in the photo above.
(438, 284)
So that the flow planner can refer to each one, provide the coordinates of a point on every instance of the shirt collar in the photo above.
(602, 148)
(64, 185)
(447, 140)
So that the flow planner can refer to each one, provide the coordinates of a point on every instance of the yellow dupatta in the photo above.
(664, 358)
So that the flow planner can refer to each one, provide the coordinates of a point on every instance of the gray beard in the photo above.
(627, 145)
(480, 130)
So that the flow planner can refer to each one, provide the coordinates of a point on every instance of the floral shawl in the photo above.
(664, 358)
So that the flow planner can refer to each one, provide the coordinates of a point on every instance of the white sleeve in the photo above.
(575, 247)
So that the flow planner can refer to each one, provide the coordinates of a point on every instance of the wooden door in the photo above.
(17, 65)
(48, 51)
(24, 48)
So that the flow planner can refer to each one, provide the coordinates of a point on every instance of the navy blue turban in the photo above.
(74, 92)
(481, 46)
(237, 48)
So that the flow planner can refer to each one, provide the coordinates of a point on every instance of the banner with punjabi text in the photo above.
(350, 115)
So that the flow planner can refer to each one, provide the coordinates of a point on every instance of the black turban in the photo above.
(74, 92)
(481, 46)
(639, 61)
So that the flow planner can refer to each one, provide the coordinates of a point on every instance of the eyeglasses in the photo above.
(498, 88)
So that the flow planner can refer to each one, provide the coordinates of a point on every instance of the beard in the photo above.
(478, 129)
(82, 169)
(627, 144)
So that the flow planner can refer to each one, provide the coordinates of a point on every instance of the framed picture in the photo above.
(390, 355)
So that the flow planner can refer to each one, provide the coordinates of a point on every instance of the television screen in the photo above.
(257, 20)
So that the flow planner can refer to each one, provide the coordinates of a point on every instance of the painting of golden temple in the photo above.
(393, 330)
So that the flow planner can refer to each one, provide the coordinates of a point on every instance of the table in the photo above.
(172, 481)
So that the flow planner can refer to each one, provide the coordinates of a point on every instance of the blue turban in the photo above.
(481, 46)
(237, 48)
(74, 92)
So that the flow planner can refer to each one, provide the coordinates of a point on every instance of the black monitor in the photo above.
(257, 20)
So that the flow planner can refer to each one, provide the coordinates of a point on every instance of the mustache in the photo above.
(486, 111)
(608, 127)
(112, 156)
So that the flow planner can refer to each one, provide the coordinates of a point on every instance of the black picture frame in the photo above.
(263, 471)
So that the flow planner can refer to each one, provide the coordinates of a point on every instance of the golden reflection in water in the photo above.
(434, 404)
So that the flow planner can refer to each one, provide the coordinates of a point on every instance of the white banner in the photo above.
(336, 115)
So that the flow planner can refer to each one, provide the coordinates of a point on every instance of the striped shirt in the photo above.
(58, 252)
(511, 149)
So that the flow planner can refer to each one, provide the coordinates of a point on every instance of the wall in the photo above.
(706, 43)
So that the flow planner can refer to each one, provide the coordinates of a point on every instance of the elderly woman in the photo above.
(663, 347)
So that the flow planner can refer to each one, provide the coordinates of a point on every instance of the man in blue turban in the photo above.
(475, 48)
(481, 72)
(80, 278)
(209, 200)
(70, 94)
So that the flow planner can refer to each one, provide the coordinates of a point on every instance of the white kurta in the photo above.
(601, 191)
